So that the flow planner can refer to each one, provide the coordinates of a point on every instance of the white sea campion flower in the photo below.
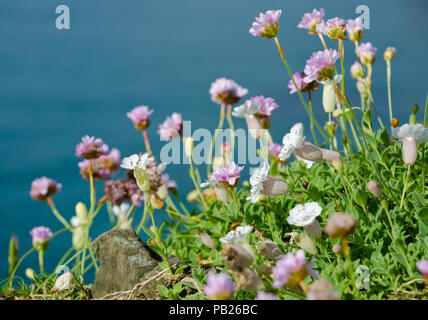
(294, 142)
(291, 141)
(139, 164)
(262, 183)
(63, 282)
(238, 235)
(136, 162)
(305, 216)
(410, 136)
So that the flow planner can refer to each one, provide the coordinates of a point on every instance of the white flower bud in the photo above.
(329, 97)
(410, 150)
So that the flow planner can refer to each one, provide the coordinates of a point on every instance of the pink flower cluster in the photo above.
(266, 25)
(218, 287)
(311, 19)
(91, 148)
(172, 127)
(42, 188)
(40, 234)
(321, 65)
(226, 91)
(290, 269)
(140, 117)
(228, 175)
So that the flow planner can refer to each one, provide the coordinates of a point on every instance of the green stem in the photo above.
(388, 76)
(312, 123)
(56, 213)
(406, 182)
(220, 125)
(144, 217)
(146, 141)
(281, 53)
(231, 126)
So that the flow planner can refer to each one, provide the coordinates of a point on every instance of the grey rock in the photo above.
(125, 261)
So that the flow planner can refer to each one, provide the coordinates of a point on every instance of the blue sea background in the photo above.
(56, 86)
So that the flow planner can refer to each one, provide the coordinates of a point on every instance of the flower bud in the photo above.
(13, 253)
(395, 122)
(362, 88)
(374, 188)
(357, 70)
(143, 180)
(337, 248)
(63, 282)
(331, 128)
(209, 194)
(188, 146)
(78, 238)
(314, 229)
(254, 127)
(248, 280)
(322, 290)
(192, 196)
(81, 213)
(237, 258)
(329, 97)
(156, 202)
(409, 150)
(30, 274)
(207, 240)
(221, 193)
(389, 53)
(340, 225)
(412, 119)
(306, 243)
(162, 191)
(274, 187)
(270, 250)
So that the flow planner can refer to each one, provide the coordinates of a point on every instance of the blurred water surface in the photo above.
(56, 86)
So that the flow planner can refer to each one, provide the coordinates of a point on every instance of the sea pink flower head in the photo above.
(102, 167)
(320, 66)
(172, 127)
(227, 91)
(275, 149)
(91, 148)
(228, 175)
(290, 269)
(357, 70)
(140, 116)
(367, 53)
(311, 19)
(340, 225)
(42, 188)
(301, 85)
(355, 30)
(334, 28)
(423, 267)
(266, 24)
(267, 105)
(41, 237)
(218, 287)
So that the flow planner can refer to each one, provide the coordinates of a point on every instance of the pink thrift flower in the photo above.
(367, 53)
(103, 167)
(334, 28)
(227, 91)
(275, 149)
(423, 267)
(354, 28)
(40, 234)
(219, 287)
(172, 127)
(267, 105)
(91, 148)
(290, 269)
(266, 25)
(321, 65)
(301, 85)
(42, 188)
(228, 175)
(140, 117)
(311, 19)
